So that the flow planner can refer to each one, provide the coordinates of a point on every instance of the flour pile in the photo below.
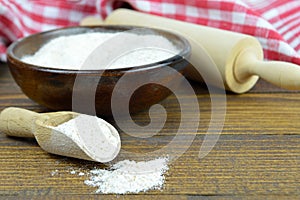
(71, 52)
(129, 177)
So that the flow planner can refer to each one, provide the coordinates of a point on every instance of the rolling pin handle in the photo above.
(17, 122)
(282, 74)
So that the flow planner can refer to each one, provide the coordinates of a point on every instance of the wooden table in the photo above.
(257, 154)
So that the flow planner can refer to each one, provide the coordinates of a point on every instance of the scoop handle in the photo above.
(18, 122)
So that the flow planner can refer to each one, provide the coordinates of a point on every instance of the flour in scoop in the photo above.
(98, 138)
(129, 176)
(70, 52)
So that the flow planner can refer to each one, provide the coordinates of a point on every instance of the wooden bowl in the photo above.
(53, 87)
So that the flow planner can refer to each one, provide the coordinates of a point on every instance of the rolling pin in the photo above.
(238, 57)
(20, 122)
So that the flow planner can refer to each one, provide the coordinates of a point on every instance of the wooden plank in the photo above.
(257, 154)
(238, 164)
(252, 113)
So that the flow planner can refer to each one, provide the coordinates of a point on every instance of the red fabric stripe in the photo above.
(296, 36)
(297, 48)
(65, 4)
(289, 21)
(38, 17)
(267, 5)
(11, 26)
(13, 16)
(274, 55)
(288, 13)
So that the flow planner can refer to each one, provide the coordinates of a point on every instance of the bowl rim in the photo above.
(183, 53)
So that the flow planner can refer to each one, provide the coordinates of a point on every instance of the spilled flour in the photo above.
(123, 177)
(129, 177)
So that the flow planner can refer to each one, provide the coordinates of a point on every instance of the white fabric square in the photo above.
(145, 5)
(214, 14)
(168, 8)
(238, 18)
(192, 11)
(51, 12)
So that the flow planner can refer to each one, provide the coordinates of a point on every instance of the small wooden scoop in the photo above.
(24, 123)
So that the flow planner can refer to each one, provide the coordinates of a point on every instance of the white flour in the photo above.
(70, 52)
(96, 136)
(122, 177)
(129, 177)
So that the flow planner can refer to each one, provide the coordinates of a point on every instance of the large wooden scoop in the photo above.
(89, 146)
(238, 57)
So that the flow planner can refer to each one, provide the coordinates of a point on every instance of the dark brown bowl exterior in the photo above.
(53, 88)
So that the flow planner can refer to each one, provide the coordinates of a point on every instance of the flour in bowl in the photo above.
(70, 52)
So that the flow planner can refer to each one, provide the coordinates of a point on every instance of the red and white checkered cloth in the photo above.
(276, 23)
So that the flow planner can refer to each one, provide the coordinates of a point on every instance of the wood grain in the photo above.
(257, 154)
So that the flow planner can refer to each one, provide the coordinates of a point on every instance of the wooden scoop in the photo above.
(238, 57)
(24, 123)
